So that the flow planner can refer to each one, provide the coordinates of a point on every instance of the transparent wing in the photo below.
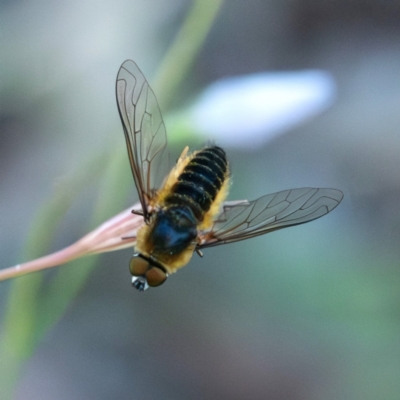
(246, 219)
(143, 127)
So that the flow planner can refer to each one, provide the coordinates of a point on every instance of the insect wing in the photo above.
(243, 220)
(144, 129)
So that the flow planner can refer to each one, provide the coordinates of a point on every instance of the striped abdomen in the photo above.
(200, 181)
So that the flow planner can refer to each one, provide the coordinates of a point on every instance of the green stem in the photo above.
(21, 313)
(18, 333)
(183, 51)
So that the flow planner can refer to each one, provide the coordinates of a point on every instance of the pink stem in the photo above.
(51, 260)
(117, 233)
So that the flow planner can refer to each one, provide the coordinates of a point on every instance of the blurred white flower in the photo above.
(250, 110)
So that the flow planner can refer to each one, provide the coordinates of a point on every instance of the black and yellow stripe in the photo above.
(200, 181)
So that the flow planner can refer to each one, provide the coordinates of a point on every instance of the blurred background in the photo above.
(311, 312)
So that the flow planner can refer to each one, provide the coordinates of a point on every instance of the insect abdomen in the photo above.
(199, 183)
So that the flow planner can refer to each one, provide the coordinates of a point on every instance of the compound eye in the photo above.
(155, 276)
(138, 265)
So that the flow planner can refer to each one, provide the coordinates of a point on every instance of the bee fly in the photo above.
(189, 212)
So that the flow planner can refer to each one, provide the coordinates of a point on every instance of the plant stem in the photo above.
(183, 51)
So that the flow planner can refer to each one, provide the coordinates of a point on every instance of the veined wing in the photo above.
(243, 220)
(143, 127)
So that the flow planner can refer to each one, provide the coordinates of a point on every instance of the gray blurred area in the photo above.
(307, 313)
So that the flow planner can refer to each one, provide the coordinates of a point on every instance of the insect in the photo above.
(188, 212)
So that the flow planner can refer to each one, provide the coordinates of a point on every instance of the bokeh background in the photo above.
(312, 312)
